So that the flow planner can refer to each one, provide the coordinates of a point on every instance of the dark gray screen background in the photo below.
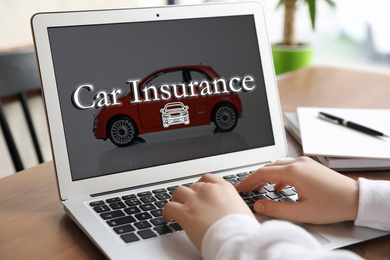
(106, 56)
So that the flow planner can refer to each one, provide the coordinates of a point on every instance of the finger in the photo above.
(280, 186)
(172, 211)
(196, 186)
(182, 194)
(209, 177)
(283, 210)
(266, 174)
(260, 186)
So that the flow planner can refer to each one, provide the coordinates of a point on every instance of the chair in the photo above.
(18, 75)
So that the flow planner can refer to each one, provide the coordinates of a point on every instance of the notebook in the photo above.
(323, 138)
(140, 100)
(336, 163)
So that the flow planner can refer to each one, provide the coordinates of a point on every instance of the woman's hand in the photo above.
(198, 207)
(324, 196)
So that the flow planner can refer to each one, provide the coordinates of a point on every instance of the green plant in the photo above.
(290, 7)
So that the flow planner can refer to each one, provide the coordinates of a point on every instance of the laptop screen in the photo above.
(144, 94)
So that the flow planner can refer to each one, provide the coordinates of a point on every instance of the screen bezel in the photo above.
(68, 188)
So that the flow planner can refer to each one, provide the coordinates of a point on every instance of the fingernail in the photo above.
(259, 207)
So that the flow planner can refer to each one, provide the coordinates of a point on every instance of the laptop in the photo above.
(139, 101)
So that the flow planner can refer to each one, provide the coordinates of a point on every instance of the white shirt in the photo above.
(240, 236)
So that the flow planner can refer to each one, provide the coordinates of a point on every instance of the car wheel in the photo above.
(122, 131)
(225, 117)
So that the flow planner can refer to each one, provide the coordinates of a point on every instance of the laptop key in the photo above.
(260, 197)
(142, 225)
(229, 176)
(148, 199)
(145, 193)
(161, 203)
(124, 229)
(273, 195)
(143, 216)
(156, 213)
(128, 197)
(117, 205)
(147, 207)
(120, 221)
(96, 203)
(269, 188)
(157, 221)
(113, 200)
(243, 174)
(133, 202)
(147, 233)
(172, 188)
(176, 226)
(262, 191)
(240, 179)
(245, 195)
(249, 201)
(132, 210)
(162, 230)
(287, 192)
(163, 196)
(233, 181)
(112, 214)
(131, 237)
(159, 191)
(101, 208)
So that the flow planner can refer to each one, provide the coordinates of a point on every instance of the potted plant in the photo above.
(290, 54)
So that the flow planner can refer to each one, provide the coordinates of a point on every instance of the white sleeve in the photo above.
(374, 204)
(240, 236)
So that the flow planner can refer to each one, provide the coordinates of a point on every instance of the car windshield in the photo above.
(164, 77)
(174, 107)
(153, 77)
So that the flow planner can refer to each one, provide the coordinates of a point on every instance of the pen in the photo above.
(340, 121)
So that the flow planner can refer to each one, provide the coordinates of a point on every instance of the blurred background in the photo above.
(352, 34)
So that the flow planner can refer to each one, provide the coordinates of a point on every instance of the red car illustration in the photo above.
(123, 123)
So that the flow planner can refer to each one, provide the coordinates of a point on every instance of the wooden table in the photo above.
(33, 224)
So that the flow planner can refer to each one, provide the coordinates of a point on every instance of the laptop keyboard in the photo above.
(139, 216)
